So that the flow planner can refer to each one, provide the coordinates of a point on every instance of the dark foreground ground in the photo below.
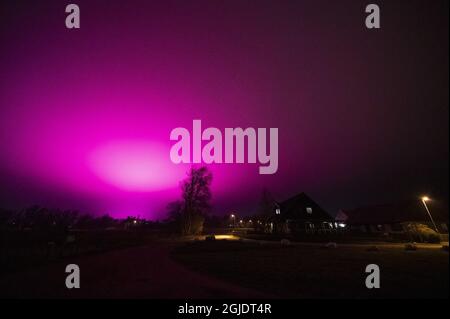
(310, 271)
(138, 272)
(234, 269)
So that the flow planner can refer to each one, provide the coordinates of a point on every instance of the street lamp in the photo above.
(425, 199)
(233, 217)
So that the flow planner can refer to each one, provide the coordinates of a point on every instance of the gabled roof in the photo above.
(407, 211)
(296, 208)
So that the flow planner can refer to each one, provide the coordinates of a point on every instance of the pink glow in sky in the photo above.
(86, 115)
(134, 166)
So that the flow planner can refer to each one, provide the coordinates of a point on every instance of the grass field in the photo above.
(315, 272)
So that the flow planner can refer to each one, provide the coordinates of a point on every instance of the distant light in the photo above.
(341, 225)
(425, 199)
(241, 221)
(278, 211)
(250, 221)
(232, 216)
(135, 221)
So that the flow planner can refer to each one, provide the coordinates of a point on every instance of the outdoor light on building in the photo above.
(342, 225)
(228, 237)
(425, 199)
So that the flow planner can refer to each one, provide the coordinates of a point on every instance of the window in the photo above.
(277, 211)
(309, 210)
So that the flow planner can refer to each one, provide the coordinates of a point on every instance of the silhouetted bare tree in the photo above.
(195, 203)
(266, 205)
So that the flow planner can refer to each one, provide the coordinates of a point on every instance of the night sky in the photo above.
(85, 115)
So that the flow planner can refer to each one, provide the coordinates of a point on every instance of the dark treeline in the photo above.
(36, 218)
(36, 235)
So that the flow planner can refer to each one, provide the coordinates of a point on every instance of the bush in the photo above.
(423, 233)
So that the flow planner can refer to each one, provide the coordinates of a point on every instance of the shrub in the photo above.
(423, 233)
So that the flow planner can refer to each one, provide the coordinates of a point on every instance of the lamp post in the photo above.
(233, 217)
(425, 199)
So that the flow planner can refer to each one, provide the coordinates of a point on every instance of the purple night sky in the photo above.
(85, 115)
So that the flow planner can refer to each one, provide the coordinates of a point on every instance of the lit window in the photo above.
(277, 211)
(309, 210)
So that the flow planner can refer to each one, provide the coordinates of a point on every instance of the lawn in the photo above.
(315, 272)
